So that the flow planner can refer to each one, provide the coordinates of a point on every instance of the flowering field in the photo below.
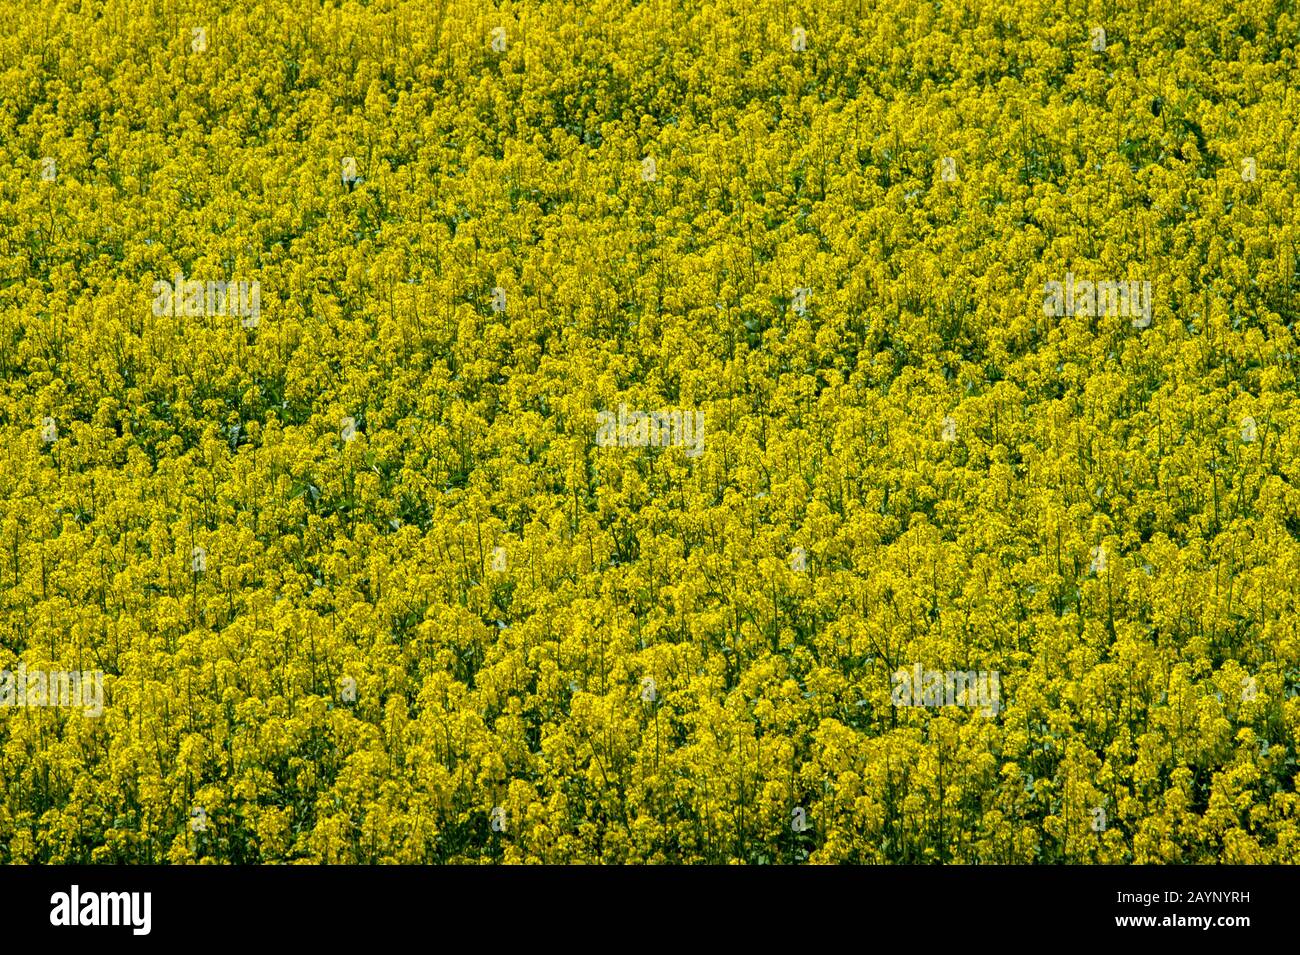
(661, 432)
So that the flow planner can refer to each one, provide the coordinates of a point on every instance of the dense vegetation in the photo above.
(468, 632)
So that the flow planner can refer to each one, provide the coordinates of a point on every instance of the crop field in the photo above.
(659, 432)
